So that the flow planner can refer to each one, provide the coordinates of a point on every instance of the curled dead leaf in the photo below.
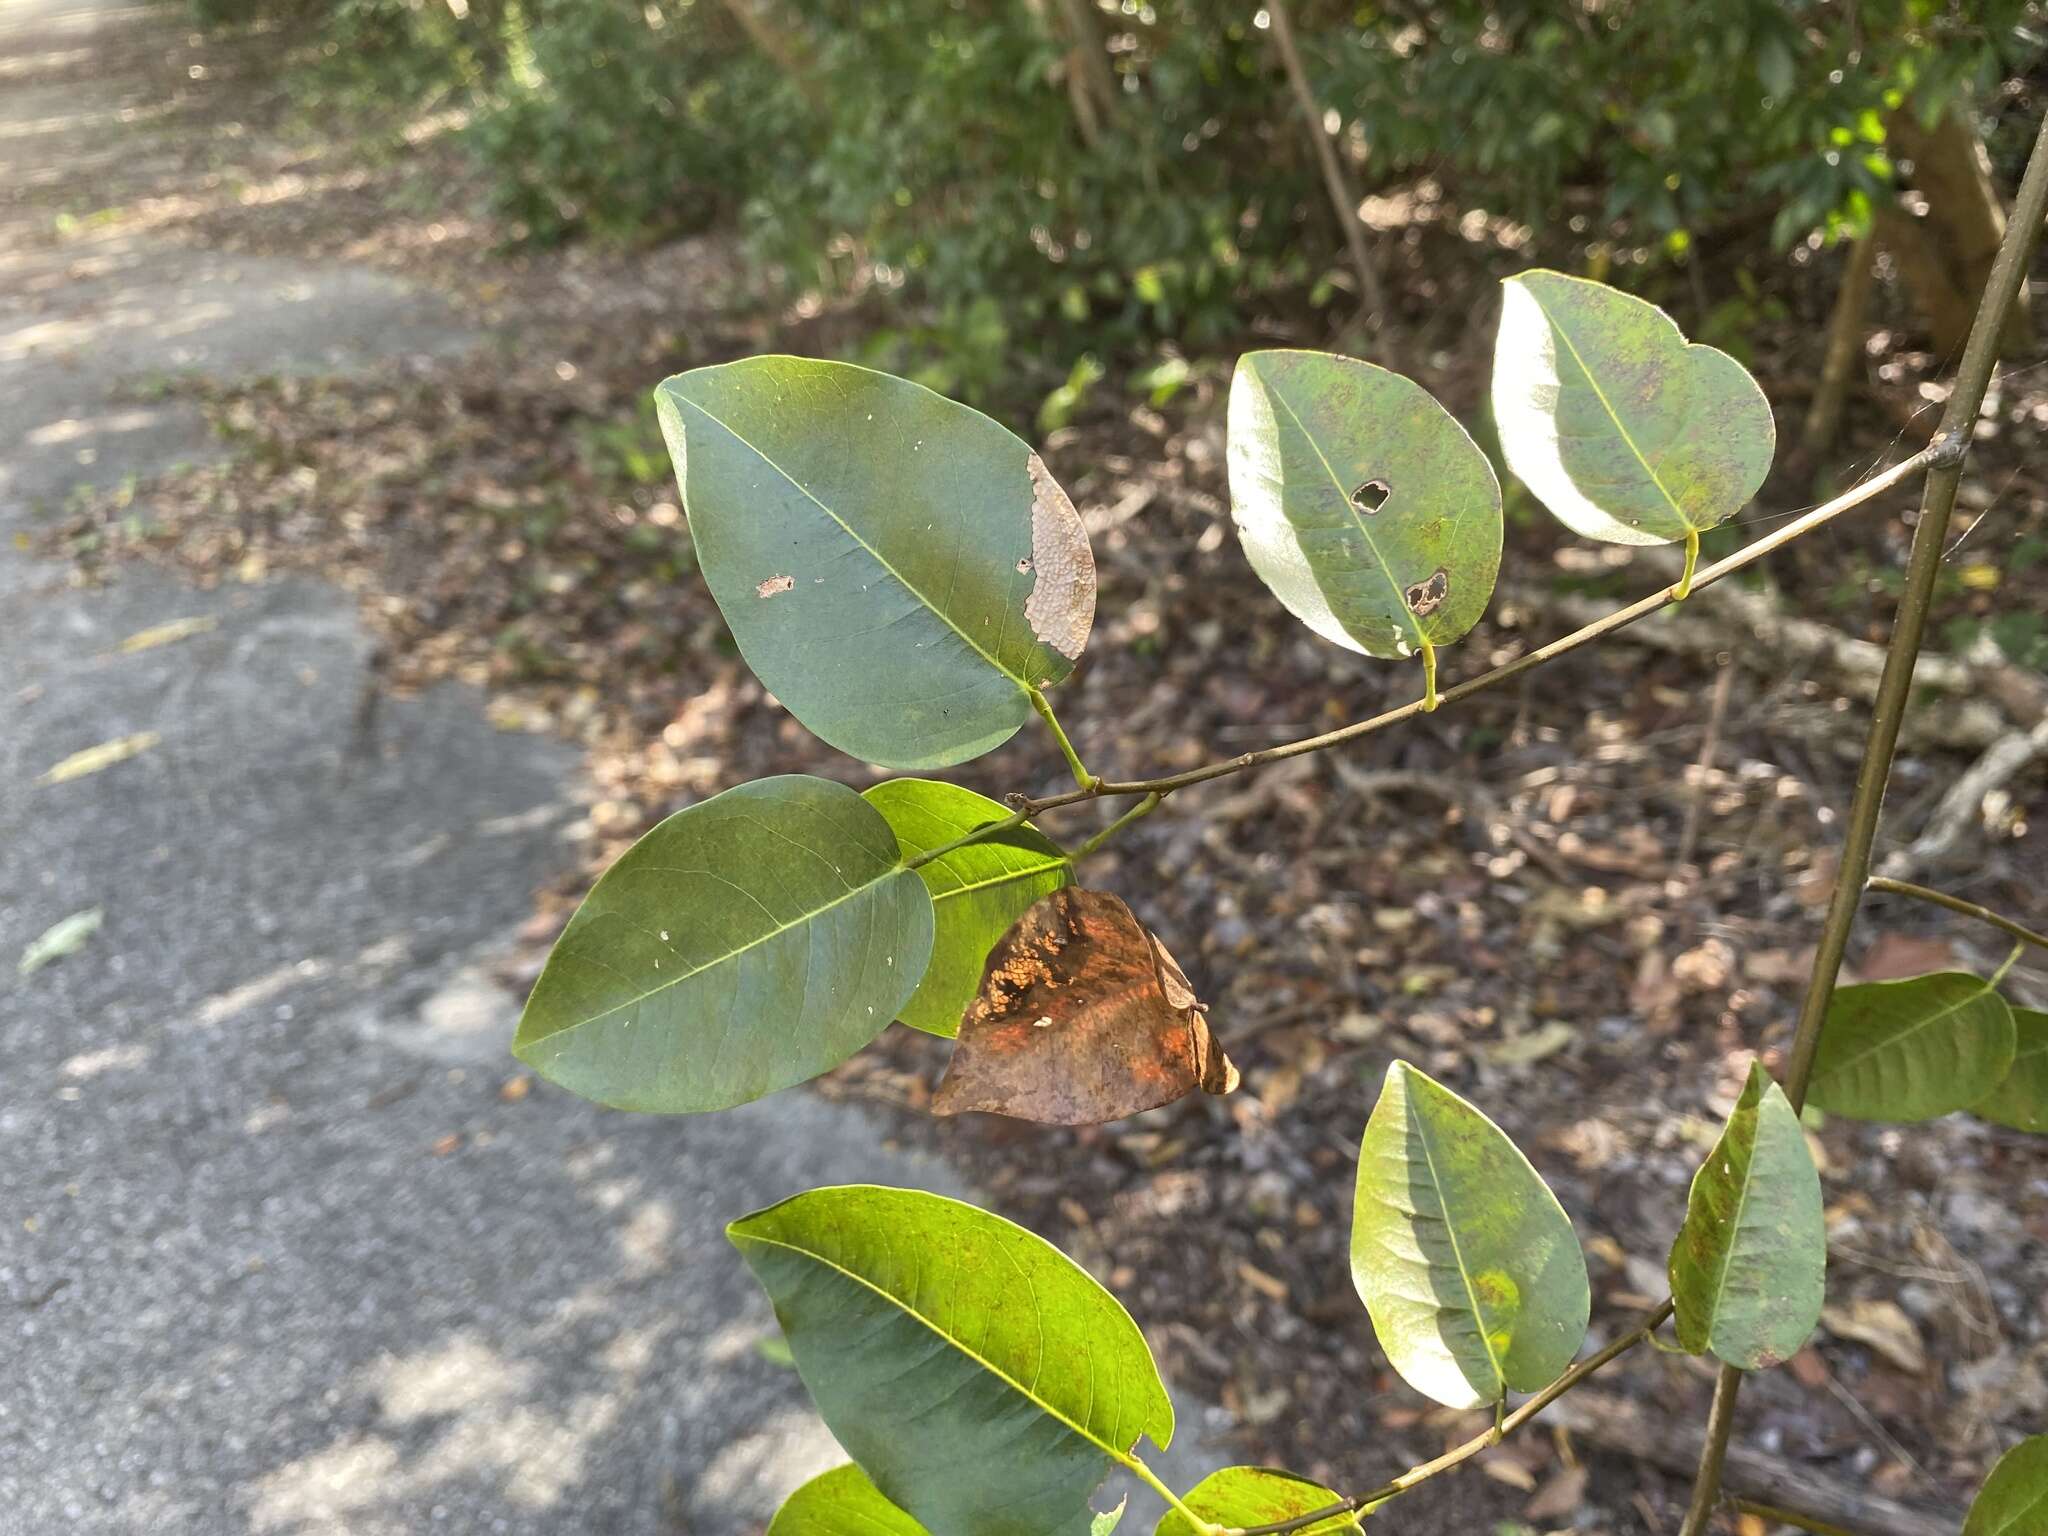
(1082, 1017)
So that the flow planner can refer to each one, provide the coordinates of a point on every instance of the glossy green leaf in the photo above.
(1459, 1250)
(897, 568)
(2021, 1101)
(744, 944)
(1911, 1050)
(980, 1377)
(841, 1502)
(2014, 1498)
(977, 891)
(1360, 501)
(1749, 1268)
(1237, 1497)
(1622, 428)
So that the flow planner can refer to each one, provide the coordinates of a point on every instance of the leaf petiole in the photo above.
(1683, 590)
(1429, 694)
(1146, 1476)
(1082, 777)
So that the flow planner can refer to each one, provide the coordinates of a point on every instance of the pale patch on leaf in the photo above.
(1061, 607)
(1626, 431)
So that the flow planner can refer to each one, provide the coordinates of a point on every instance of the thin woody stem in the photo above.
(1894, 688)
(1093, 788)
(1463, 1453)
(1854, 497)
(1888, 887)
(1138, 812)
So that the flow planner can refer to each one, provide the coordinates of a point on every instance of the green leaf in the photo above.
(1911, 1050)
(2021, 1101)
(744, 944)
(1106, 1522)
(1461, 1253)
(1622, 428)
(2014, 1498)
(1749, 1268)
(978, 1375)
(977, 891)
(1237, 1497)
(898, 569)
(841, 1502)
(1360, 501)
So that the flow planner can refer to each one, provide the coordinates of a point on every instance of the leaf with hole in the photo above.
(1911, 1050)
(841, 1502)
(1626, 431)
(1462, 1255)
(1361, 502)
(2014, 1498)
(1749, 1269)
(1082, 1016)
(898, 569)
(743, 945)
(2021, 1100)
(982, 1379)
(1238, 1497)
(977, 891)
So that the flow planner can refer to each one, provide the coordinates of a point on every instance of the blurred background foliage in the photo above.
(1047, 180)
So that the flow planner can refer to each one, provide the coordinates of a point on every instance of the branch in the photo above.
(1856, 496)
(1343, 200)
(1891, 887)
(1938, 499)
(1492, 1437)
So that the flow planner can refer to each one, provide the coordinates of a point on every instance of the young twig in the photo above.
(1888, 887)
(1462, 1453)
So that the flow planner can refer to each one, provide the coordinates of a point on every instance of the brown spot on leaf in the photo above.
(1061, 607)
(1425, 597)
(1082, 1017)
(774, 585)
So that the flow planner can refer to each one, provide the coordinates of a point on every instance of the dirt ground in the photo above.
(1584, 902)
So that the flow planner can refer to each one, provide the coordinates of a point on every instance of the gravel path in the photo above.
(285, 1243)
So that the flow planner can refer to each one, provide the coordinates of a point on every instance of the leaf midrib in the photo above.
(874, 554)
(1114, 1453)
(1500, 1374)
(1007, 877)
(1612, 414)
(1735, 1225)
(1836, 1068)
(810, 916)
(1400, 597)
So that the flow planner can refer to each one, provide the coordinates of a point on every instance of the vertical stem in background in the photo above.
(1845, 344)
(1938, 499)
(781, 48)
(1091, 84)
(1343, 199)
